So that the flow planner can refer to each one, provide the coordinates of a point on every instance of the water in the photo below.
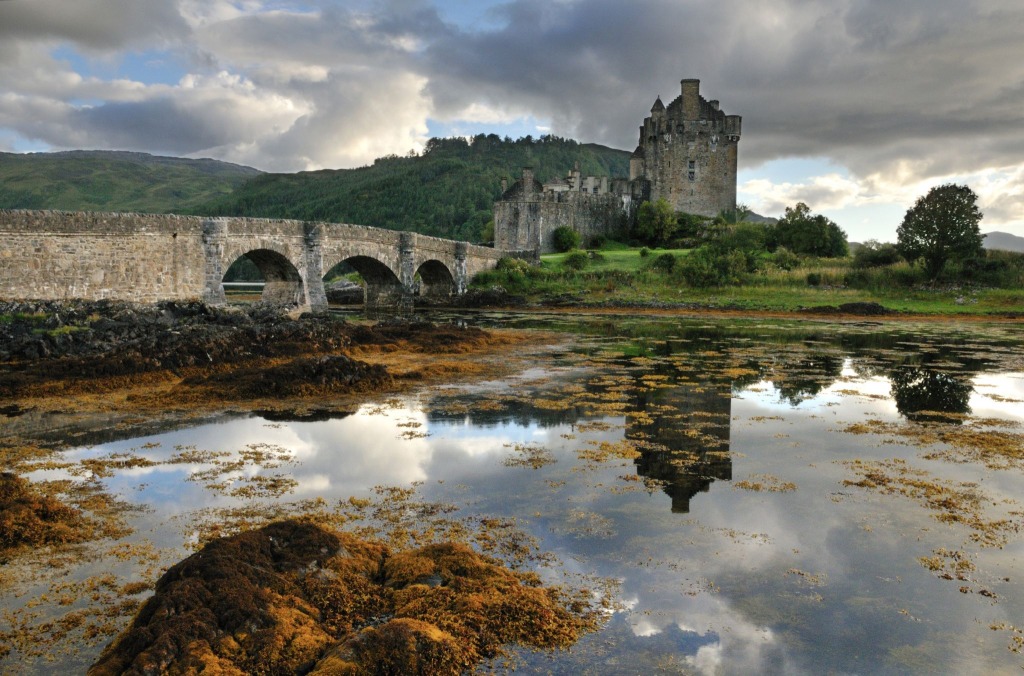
(768, 496)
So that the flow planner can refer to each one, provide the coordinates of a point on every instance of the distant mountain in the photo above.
(447, 191)
(758, 218)
(1004, 241)
(100, 180)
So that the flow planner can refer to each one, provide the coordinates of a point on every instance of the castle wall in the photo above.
(528, 222)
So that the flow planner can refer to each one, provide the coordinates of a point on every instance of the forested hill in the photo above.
(99, 180)
(447, 191)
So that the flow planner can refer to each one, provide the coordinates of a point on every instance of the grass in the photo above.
(617, 274)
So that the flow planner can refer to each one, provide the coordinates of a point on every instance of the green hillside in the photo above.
(97, 180)
(448, 191)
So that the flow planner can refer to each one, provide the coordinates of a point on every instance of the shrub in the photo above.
(645, 252)
(813, 279)
(873, 254)
(666, 262)
(576, 260)
(598, 242)
(858, 279)
(513, 264)
(706, 267)
(565, 239)
(785, 259)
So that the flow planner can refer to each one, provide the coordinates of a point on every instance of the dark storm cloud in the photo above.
(92, 24)
(156, 124)
(868, 83)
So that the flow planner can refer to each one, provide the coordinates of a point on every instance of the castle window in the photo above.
(692, 170)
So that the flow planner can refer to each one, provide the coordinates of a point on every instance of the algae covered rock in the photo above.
(28, 517)
(294, 597)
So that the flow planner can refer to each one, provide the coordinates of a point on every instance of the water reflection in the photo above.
(924, 395)
(716, 575)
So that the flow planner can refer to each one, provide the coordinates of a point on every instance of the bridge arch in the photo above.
(383, 287)
(283, 284)
(436, 279)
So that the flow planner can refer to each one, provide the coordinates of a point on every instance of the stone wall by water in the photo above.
(145, 257)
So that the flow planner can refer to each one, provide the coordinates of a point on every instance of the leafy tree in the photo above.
(802, 232)
(746, 238)
(733, 216)
(942, 225)
(565, 238)
(690, 228)
(655, 222)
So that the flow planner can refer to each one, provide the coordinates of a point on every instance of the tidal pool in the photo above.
(758, 496)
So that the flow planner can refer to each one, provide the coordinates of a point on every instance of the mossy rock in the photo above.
(294, 597)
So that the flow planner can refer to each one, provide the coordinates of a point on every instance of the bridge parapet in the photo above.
(151, 257)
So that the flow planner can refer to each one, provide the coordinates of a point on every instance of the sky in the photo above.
(855, 107)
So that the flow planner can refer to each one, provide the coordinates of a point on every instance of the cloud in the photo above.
(897, 94)
(92, 24)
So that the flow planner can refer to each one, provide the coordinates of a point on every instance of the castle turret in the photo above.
(687, 153)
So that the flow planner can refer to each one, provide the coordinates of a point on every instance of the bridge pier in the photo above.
(215, 236)
(316, 297)
(461, 274)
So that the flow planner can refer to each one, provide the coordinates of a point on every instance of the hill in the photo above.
(1004, 241)
(447, 191)
(99, 180)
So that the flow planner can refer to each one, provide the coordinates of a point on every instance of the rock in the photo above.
(294, 597)
(344, 292)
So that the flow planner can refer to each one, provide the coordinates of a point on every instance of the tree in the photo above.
(655, 223)
(802, 232)
(942, 225)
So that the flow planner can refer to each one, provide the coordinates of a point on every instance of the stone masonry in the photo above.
(528, 213)
(687, 155)
(52, 255)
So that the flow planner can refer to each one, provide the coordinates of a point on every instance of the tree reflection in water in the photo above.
(924, 395)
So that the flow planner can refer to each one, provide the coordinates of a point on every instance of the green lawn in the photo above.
(621, 275)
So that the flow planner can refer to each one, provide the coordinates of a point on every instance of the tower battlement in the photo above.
(687, 153)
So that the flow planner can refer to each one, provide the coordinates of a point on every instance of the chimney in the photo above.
(527, 180)
(691, 99)
(504, 185)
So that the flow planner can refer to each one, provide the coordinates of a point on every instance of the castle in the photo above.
(687, 154)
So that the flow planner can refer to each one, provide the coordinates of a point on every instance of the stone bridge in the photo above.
(56, 255)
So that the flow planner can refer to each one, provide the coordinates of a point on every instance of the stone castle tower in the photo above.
(688, 153)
